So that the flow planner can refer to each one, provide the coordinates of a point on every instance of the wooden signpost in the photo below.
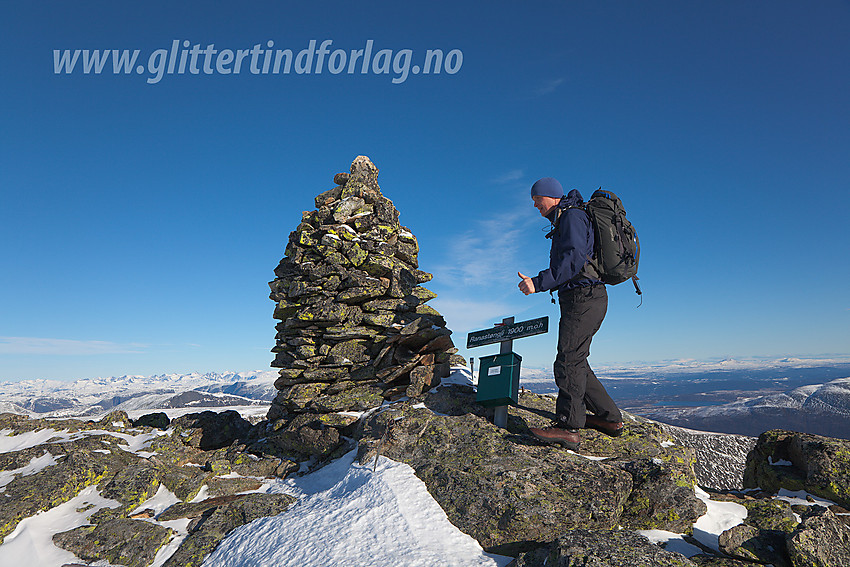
(498, 375)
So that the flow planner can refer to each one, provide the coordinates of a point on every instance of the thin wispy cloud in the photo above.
(549, 86)
(510, 176)
(65, 347)
(464, 314)
(486, 254)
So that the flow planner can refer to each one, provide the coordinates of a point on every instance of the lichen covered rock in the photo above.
(800, 461)
(120, 541)
(593, 548)
(821, 540)
(214, 522)
(513, 493)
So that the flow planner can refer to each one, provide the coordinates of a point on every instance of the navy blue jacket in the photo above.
(572, 248)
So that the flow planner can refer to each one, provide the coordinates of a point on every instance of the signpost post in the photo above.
(498, 375)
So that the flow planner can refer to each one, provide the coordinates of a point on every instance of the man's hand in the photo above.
(526, 285)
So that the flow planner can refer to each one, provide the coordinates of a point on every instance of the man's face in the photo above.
(544, 204)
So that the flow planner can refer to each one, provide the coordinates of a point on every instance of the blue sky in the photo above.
(141, 222)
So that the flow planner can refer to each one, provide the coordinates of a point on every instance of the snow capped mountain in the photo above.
(95, 396)
(727, 364)
(743, 397)
(822, 409)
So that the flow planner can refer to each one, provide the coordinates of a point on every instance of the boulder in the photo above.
(513, 493)
(158, 420)
(595, 548)
(54, 485)
(821, 540)
(210, 430)
(755, 544)
(662, 495)
(120, 541)
(305, 436)
(133, 484)
(216, 522)
(800, 461)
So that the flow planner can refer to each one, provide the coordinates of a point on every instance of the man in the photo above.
(584, 302)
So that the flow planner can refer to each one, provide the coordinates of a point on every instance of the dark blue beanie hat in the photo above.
(547, 187)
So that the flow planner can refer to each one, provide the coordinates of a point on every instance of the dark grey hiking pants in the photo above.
(582, 312)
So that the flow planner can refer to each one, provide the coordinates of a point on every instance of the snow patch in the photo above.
(588, 457)
(158, 502)
(720, 517)
(671, 542)
(349, 515)
(35, 465)
(201, 495)
(32, 541)
(804, 498)
(10, 442)
(181, 530)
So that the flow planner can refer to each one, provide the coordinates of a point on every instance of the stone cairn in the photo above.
(354, 329)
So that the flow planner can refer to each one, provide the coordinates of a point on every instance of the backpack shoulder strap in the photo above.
(562, 208)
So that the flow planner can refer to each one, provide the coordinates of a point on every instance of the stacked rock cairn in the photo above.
(354, 328)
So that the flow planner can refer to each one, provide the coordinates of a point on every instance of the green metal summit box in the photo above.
(498, 379)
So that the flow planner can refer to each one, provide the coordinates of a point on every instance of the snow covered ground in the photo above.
(354, 515)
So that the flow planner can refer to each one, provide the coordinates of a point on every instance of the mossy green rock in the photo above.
(821, 540)
(93, 457)
(221, 520)
(506, 490)
(306, 435)
(771, 514)
(349, 352)
(755, 544)
(357, 398)
(120, 541)
(593, 548)
(378, 265)
(347, 332)
(379, 318)
(800, 461)
(373, 289)
(133, 484)
(298, 398)
(662, 498)
(322, 374)
(347, 208)
(323, 314)
(56, 484)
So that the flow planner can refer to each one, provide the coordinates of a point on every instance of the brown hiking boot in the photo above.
(569, 438)
(612, 428)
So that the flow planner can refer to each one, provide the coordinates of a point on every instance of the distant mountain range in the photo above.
(723, 398)
(97, 396)
(745, 397)
(821, 409)
(729, 396)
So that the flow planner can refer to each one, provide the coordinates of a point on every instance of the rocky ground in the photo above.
(516, 496)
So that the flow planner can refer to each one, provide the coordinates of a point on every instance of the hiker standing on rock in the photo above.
(584, 302)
